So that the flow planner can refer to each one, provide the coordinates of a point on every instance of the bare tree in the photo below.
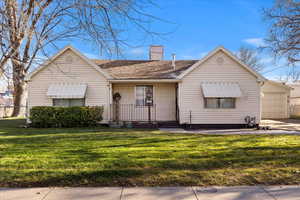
(29, 28)
(284, 31)
(250, 57)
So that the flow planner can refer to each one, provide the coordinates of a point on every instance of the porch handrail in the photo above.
(132, 112)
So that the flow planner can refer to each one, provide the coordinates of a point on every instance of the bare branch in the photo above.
(250, 57)
(284, 31)
(29, 28)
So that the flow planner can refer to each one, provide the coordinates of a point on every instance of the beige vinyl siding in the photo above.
(216, 70)
(295, 100)
(295, 95)
(275, 101)
(295, 92)
(164, 99)
(271, 87)
(69, 68)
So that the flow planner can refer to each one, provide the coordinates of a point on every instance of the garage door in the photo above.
(274, 106)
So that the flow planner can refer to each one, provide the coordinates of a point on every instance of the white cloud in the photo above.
(267, 60)
(274, 77)
(91, 55)
(203, 54)
(187, 57)
(137, 51)
(194, 56)
(257, 42)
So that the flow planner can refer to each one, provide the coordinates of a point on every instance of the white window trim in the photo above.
(153, 88)
(204, 103)
(84, 101)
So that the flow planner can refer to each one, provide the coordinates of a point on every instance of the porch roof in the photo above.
(221, 89)
(67, 91)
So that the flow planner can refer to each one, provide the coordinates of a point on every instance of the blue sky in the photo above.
(198, 26)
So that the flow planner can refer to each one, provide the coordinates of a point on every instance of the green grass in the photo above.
(295, 117)
(111, 157)
(12, 122)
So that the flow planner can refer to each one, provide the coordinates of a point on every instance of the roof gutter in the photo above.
(144, 80)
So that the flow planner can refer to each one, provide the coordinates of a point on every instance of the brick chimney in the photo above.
(156, 52)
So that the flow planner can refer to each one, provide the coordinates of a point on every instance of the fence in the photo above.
(6, 111)
(121, 112)
(132, 112)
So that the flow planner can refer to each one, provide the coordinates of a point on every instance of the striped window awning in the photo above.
(221, 90)
(67, 91)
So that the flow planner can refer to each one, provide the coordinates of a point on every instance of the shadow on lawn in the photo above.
(135, 151)
(89, 157)
(95, 178)
(149, 177)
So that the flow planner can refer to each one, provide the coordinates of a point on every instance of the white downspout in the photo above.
(110, 99)
(261, 84)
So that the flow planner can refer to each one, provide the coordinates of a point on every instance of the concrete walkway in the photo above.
(287, 126)
(231, 132)
(154, 193)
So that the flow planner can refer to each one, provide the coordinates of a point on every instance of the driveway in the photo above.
(154, 193)
(285, 124)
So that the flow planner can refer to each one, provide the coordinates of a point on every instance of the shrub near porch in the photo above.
(112, 157)
(76, 116)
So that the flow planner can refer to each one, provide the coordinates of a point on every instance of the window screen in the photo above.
(144, 95)
(68, 102)
(219, 102)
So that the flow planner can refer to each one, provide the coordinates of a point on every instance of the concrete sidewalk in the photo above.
(154, 193)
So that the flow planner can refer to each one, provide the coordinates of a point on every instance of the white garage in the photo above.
(275, 100)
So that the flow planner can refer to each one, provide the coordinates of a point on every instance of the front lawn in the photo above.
(111, 157)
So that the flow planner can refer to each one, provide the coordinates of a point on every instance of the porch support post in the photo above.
(110, 93)
(179, 90)
(110, 101)
(149, 113)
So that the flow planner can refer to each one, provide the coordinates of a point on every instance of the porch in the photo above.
(145, 102)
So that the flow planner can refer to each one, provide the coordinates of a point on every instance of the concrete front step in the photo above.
(168, 124)
(144, 125)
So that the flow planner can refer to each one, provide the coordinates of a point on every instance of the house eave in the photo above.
(280, 84)
(144, 80)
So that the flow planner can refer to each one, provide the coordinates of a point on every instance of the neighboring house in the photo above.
(275, 100)
(295, 99)
(2, 101)
(216, 90)
(5, 96)
(6, 102)
(295, 93)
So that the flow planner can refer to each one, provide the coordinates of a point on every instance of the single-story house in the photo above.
(216, 90)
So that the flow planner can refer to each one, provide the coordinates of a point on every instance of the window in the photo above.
(144, 95)
(68, 102)
(219, 102)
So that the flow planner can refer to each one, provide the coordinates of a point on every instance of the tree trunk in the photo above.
(18, 89)
(18, 100)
